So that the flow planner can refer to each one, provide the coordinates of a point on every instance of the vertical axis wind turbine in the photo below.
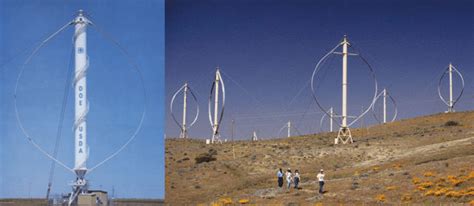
(81, 105)
(214, 118)
(183, 125)
(286, 126)
(344, 134)
(386, 94)
(331, 115)
(451, 101)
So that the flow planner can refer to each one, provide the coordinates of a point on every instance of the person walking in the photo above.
(321, 181)
(296, 178)
(280, 178)
(289, 178)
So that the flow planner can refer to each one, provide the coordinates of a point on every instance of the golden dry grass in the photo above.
(417, 161)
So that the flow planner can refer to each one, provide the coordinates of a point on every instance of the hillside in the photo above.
(421, 160)
(43, 202)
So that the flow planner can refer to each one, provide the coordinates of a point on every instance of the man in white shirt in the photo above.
(321, 181)
(289, 178)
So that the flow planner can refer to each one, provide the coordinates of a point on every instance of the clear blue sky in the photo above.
(270, 49)
(114, 94)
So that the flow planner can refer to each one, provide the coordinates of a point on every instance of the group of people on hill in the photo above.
(295, 179)
(290, 178)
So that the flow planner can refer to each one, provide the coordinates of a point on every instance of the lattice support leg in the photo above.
(344, 136)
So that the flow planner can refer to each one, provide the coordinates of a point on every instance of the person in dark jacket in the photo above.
(296, 178)
(280, 178)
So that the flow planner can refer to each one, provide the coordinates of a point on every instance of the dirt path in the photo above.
(408, 152)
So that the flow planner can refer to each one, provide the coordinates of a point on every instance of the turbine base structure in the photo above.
(183, 134)
(344, 136)
(216, 138)
(254, 136)
(80, 186)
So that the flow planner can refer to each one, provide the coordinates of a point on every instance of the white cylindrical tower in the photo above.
(450, 109)
(331, 115)
(344, 82)
(384, 105)
(80, 95)
(344, 133)
(184, 132)
(289, 128)
(216, 106)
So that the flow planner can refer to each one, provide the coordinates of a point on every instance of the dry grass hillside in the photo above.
(422, 160)
(43, 202)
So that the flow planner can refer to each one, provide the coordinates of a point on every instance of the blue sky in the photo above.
(268, 50)
(114, 92)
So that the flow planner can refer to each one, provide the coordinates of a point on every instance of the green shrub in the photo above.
(451, 123)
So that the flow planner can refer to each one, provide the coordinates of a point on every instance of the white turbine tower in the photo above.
(184, 131)
(289, 128)
(384, 105)
(451, 102)
(344, 133)
(81, 105)
(214, 118)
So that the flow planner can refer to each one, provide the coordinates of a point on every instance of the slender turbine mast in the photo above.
(215, 134)
(289, 128)
(216, 117)
(331, 115)
(384, 105)
(344, 133)
(81, 105)
(451, 102)
(184, 130)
